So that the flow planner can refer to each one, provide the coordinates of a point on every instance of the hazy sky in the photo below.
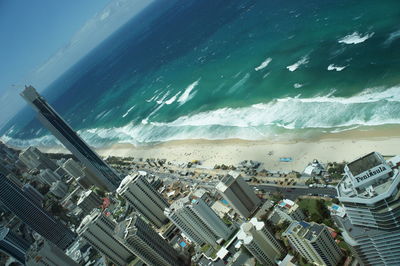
(40, 39)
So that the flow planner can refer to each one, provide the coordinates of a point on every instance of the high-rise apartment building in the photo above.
(32, 214)
(13, 245)
(99, 231)
(68, 137)
(260, 242)
(314, 242)
(144, 198)
(33, 194)
(73, 168)
(238, 194)
(149, 246)
(198, 221)
(370, 195)
(33, 158)
(48, 177)
(89, 201)
(59, 189)
(45, 253)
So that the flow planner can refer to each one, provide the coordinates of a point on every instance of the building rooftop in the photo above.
(84, 195)
(365, 163)
(127, 180)
(88, 219)
(309, 231)
(227, 180)
(369, 177)
(180, 203)
(245, 230)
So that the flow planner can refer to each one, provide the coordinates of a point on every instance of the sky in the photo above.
(41, 39)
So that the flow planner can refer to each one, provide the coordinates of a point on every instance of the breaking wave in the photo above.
(304, 60)
(280, 118)
(355, 38)
(263, 64)
(334, 67)
(187, 94)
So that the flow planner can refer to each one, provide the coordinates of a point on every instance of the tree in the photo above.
(316, 218)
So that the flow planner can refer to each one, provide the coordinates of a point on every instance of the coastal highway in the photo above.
(288, 192)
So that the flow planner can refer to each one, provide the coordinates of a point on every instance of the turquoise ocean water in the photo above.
(216, 69)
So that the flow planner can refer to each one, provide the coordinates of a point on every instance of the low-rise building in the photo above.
(286, 210)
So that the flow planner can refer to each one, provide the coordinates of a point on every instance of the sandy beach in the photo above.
(338, 147)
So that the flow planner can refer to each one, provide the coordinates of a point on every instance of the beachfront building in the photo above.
(45, 253)
(238, 194)
(370, 195)
(70, 139)
(73, 168)
(33, 194)
(33, 158)
(48, 177)
(314, 243)
(59, 189)
(82, 176)
(148, 245)
(260, 242)
(286, 210)
(29, 212)
(144, 198)
(198, 221)
(13, 245)
(100, 232)
(89, 201)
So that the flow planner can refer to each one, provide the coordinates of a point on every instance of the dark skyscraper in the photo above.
(29, 212)
(107, 177)
(13, 245)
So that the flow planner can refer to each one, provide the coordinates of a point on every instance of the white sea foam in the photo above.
(47, 140)
(334, 67)
(298, 85)
(163, 98)
(304, 60)
(103, 114)
(355, 38)
(239, 84)
(372, 107)
(127, 112)
(155, 96)
(263, 64)
(392, 37)
(172, 99)
(187, 95)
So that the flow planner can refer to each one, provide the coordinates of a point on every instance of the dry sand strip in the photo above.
(338, 147)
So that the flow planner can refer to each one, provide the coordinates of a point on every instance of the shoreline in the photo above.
(343, 146)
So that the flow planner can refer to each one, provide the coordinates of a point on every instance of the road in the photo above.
(288, 192)
(293, 193)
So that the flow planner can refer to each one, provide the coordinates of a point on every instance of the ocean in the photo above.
(215, 69)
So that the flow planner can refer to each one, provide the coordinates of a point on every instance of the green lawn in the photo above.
(310, 205)
(317, 210)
